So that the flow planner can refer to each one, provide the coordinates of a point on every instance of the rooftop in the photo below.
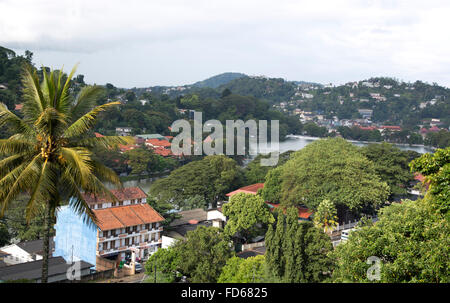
(125, 216)
(250, 189)
(33, 270)
(189, 216)
(127, 193)
(303, 212)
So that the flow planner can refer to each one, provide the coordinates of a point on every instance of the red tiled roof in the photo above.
(162, 151)
(127, 193)
(250, 189)
(125, 216)
(19, 106)
(98, 135)
(157, 142)
(124, 148)
(367, 128)
(303, 212)
(419, 177)
(393, 127)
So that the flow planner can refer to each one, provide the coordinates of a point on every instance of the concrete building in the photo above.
(122, 226)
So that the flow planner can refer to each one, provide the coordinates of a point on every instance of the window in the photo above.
(127, 241)
(139, 200)
(127, 230)
(134, 228)
(120, 203)
(99, 205)
(147, 226)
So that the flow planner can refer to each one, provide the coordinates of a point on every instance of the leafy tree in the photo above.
(255, 173)
(410, 239)
(391, 164)
(326, 216)
(204, 253)
(211, 178)
(238, 270)
(436, 169)
(167, 262)
(302, 255)
(246, 214)
(272, 186)
(49, 155)
(332, 169)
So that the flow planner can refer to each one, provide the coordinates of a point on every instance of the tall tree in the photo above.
(391, 164)
(49, 157)
(326, 216)
(204, 253)
(332, 169)
(247, 214)
(211, 178)
(297, 252)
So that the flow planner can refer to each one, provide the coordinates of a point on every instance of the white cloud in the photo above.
(136, 43)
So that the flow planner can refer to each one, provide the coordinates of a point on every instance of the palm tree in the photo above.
(48, 158)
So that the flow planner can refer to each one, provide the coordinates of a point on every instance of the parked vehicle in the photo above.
(138, 268)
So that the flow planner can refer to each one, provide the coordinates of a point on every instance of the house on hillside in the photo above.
(124, 131)
(123, 226)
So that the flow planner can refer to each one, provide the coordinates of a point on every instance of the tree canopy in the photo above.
(211, 178)
(246, 214)
(332, 169)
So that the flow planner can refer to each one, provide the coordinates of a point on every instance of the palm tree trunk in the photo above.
(46, 245)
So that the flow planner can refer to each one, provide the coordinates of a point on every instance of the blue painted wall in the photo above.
(72, 232)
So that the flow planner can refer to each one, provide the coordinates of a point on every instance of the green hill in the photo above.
(218, 80)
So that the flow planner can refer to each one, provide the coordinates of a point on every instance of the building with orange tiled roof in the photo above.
(303, 212)
(250, 189)
(157, 143)
(121, 226)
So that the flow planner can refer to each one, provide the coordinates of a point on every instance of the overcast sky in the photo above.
(145, 43)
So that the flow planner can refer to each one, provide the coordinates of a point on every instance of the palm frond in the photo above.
(11, 120)
(65, 97)
(34, 100)
(105, 141)
(8, 164)
(85, 101)
(78, 164)
(42, 189)
(87, 121)
(21, 181)
(12, 146)
(105, 174)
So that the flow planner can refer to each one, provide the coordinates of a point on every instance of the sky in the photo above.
(138, 43)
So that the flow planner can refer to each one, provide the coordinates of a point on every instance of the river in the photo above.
(292, 143)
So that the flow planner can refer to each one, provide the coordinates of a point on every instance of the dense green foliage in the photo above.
(332, 169)
(326, 216)
(247, 215)
(391, 165)
(238, 270)
(256, 173)
(166, 261)
(204, 253)
(210, 178)
(436, 169)
(297, 251)
(410, 239)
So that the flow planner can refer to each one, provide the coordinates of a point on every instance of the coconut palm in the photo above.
(48, 158)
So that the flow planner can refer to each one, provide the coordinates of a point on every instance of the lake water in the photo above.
(292, 143)
(298, 142)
